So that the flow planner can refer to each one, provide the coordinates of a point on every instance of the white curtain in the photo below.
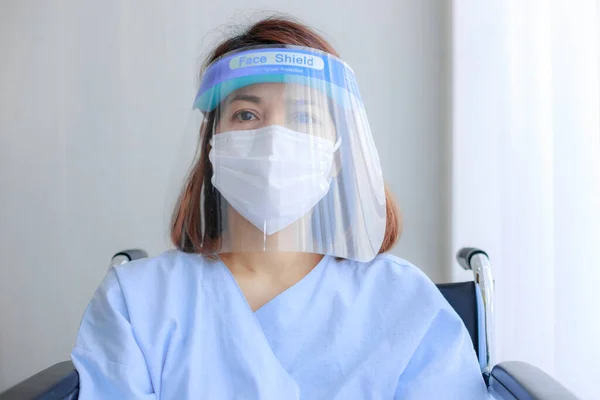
(526, 175)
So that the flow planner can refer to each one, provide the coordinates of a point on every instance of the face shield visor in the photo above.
(286, 161)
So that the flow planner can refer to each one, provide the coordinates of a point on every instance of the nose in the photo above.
(276, 115)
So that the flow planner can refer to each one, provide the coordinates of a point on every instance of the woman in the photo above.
(280, 287)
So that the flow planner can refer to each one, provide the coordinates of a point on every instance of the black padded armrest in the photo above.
(59, 382)
(522, 381)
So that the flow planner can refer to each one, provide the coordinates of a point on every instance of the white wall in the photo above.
(94, 98)
(527, 175)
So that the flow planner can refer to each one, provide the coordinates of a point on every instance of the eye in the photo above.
(244, 115)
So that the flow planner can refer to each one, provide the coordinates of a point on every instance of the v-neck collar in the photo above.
(299, 292)
(244, 337)
(286, 304)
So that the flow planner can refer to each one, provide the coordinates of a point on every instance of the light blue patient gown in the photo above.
(177, 326)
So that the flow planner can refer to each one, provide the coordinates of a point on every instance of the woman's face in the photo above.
(296, 107)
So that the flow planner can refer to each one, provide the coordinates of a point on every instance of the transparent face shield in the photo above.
(286, 161)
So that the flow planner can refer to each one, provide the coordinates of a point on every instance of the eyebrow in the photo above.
(245, 97)
(302, 102)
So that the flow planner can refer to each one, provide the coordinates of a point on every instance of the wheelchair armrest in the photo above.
(522, 381)
(59, 382)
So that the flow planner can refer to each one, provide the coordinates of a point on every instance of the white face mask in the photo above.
(272, 176)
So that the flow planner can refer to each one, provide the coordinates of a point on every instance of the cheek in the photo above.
(223, 122)
(222, 126)
(330, 128)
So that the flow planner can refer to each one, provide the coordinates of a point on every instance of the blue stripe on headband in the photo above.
(299, 65)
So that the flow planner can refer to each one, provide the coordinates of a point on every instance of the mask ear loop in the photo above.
(337, 144)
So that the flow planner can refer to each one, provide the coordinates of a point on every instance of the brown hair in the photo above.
(190, 215)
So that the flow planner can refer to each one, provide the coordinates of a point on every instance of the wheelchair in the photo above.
(473, 302)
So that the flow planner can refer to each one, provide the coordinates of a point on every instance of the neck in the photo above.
(275, 264)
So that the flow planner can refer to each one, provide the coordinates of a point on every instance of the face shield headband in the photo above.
(299, 65)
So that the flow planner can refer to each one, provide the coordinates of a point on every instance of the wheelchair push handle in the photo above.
(477, 261)
(465, 257)
(126, 256)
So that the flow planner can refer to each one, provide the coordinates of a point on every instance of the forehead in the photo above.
(267, 92)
